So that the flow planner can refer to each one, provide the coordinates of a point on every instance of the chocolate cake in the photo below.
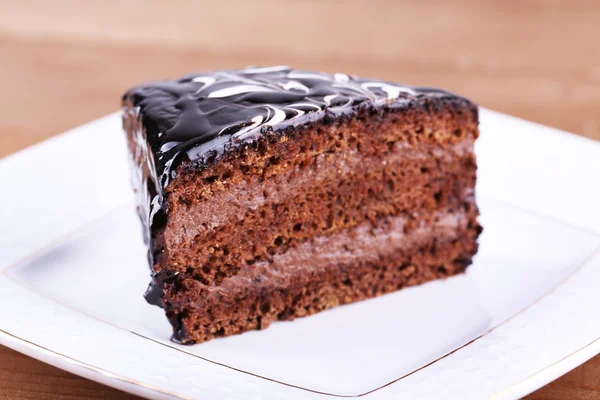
(272, 193)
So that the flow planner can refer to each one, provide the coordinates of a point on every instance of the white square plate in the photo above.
(73, 269)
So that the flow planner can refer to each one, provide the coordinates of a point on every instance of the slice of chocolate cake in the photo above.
(272, 193)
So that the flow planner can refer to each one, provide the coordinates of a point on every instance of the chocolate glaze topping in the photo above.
(201, 116)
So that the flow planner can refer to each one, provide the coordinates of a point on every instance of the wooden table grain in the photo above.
(67, 62)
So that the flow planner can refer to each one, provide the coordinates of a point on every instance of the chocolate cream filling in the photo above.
(364, 243)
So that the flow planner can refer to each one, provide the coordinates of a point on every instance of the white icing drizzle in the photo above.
(291, 85)
(233, 90)
(264, 70)
(278, 116)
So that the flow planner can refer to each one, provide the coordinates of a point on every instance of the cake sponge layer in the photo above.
(271, 194)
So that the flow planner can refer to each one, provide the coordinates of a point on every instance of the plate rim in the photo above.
(526, 386)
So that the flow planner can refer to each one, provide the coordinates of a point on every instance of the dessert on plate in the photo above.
(273, 193)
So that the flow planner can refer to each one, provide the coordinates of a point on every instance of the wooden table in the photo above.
(66, 62)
